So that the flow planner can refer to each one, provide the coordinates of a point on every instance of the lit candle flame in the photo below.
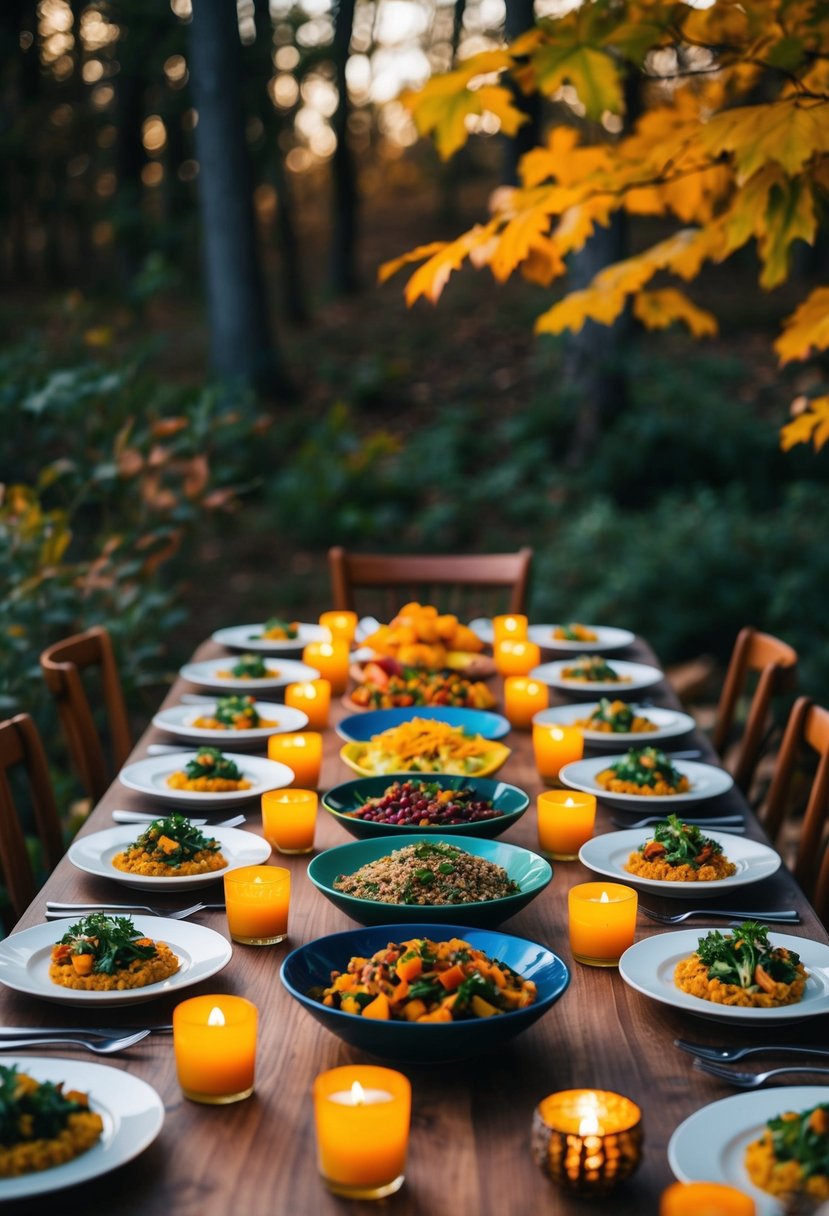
(569, 802)
(216, 1018)
(605, 899)
(590, 1126)
(358, 1094)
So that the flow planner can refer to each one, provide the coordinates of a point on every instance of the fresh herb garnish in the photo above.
(209, 762)
(174, 840)
(679, 843)
(113, 940)
(32, 1111)
(746, 957)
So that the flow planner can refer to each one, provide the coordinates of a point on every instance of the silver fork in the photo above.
(58, 911)
(787, 916)
(106, 1048)
(730, 822)
(752, 1080)
(145, 817)
(732, 1054)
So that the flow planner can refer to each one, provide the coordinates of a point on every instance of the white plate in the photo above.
(608, 855)
(607, 638)
(178, 720)
(132, 1114)
(649, 965)
(707, 781)
(710, 1145)
(669, 724)
(93, 854)
(280, 673)
(636, 676)
(149, 776)
(245, 639)
(24, 961)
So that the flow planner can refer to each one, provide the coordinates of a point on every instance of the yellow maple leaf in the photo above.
(812, 424)
(441, 108)
(659, 309)
(591, 72)
(414, 255)
(430, 279)
(790, 216)
(788, 132)
(543, 263)
(516, 239)
(590, 304)
(807, 328)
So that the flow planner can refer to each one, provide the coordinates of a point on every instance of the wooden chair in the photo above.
(775, 663)
(21, 750)
(62, 664)
(807, 727)
(452, 581)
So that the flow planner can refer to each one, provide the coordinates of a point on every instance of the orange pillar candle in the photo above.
(340, 624)
(313, 697)
(555, 746)
(516, 658)
(302, 752)
(587, 1140)
(522, 699)
(257, 899)
(362, 1115)
(331, 660)
(512, 626)
(565, 822)
(214, 1040)
(289, 819)
(705, 1199)
(602, 922)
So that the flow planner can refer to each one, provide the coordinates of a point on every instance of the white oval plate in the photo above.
(93, 854)
(636, 676)
(669, 724)
(608, 855)
(149, 776)
(178, 720)
(280, 673)
(707, 781)
(649, 965)
(607, 638)
(247, 638)
(710, 1145)
(24, 961)
(131, 1110)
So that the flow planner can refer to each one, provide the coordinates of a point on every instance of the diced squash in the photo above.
(400, 993)
(409, 967)
(452, 978)
(83, 963)
(413, 1010)
(167, 845)
(349, 1004)
(442, 1014)
(482, 1008)
(378, 1008)
(345, 982)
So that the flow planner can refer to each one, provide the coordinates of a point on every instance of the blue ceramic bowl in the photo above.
(361, 727)
(508, 800)
(311, 966)
(531, 872)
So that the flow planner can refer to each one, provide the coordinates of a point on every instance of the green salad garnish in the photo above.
(235, 711)
(592, 668)
(803, 1138)
(646, 766)
(249, 666)
(174, 840)
(617, 714)
(209, 762)
(734, 958)
(32, 1110)
(114, 942)
(679, 844)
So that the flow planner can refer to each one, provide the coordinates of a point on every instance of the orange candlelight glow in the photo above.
(565, 823)
(602, 922)
(512, 626)
(289, 819)
(257, 899)
(362, 1115)
(587, 1140)
(302, 752)
(554, 746)
(340, 623)
(313, 697)
(522, 699)
(705, 1199)
(214, 1040)
(331, 660)
(516, 658)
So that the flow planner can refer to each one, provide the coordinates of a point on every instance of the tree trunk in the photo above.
(520, 17)
(344, 278)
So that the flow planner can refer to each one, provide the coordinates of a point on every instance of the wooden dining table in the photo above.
(469, 1151)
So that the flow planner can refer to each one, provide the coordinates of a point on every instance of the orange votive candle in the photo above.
(565, 822)
(512, 626)
(516, 658)
(705, 1199)
(602, 922)
(257, 899)
(522, 699)
(362, 1115)
(302, 752)
(331, 660)
(313, 697)
(340, 623)
(554, 746)
(289, 819)
(214, 1040)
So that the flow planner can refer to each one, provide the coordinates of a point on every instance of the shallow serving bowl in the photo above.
(354, 755)
(311, 965)
(362, 726)
(508, 800)
(531, 872)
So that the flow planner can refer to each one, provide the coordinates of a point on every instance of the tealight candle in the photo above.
(602, 922)
(565, 823)
(705, 1199)
(523, 698)
(214, 1040)
(362, 1115)
(257, 899)
(289, 819)
(587, 1140)
(313, 697)
(340, 623)
(302, 752)
(516, 657)
(511, 626)
(331, 660)
(554, 746)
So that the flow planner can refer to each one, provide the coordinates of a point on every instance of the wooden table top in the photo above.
(470, 1140)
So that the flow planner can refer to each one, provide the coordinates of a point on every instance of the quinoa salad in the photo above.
(428, 873)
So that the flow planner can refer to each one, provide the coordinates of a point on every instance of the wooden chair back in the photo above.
(775, 663)
(21, 749)
(468, 584)
(62, 664)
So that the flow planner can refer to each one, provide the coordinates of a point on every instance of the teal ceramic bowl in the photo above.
(531, 872)
(508, 800)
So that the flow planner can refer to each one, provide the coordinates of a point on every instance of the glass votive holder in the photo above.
(214, 1041)
(289, 819)
(602, 917)
(362, 1115)
(257, 899)
(313, 698)
(340, 623)
(523, 698)
(510, 626)
(705, 1199)
(515, 657)
(331, 660)
(302, 752)
(587, 1140)
(565, 822)
(553, 747)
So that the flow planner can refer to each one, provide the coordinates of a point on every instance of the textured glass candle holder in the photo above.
(587, 1140)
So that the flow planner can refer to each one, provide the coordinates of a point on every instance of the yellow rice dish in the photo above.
(792, 1155)
(107, 954)
(209, 772)
(679, 852)
(742, 968)
(171, 847)
(42, 1126)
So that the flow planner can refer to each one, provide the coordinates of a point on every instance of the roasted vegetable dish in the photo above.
(41, 1125)
(615, 717)
(428, 874)
(678, 852)
(646, 771)
(424, 804)
(742, 968)
(574, 633)
(278, 630)
(247, 667)
(593, 669)
(419, 636)
(792, 1155)
(209, 772)
(233, 713)
(171, 847)
(425, 981)
(387, 684)
(426, 745)
(105, 953)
